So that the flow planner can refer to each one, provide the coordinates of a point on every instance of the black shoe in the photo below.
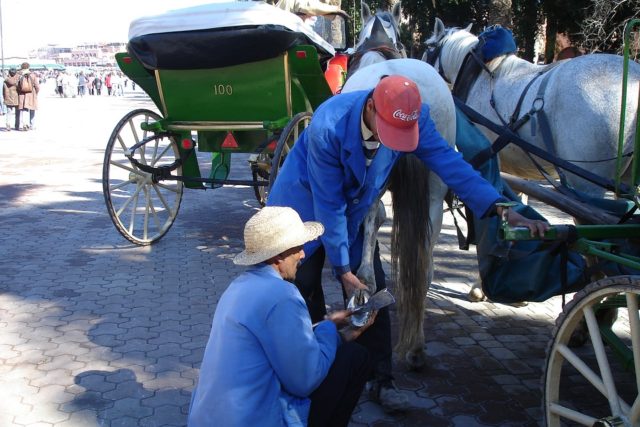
(386, 394)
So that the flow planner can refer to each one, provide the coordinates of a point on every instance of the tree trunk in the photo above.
(550, 44)
(499, 12)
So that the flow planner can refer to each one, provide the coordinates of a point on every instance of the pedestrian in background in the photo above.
(82, 84)
(107, 83)
(59, 83)
(97, 84)
(28, 88)
(3, 108)
(10, 97)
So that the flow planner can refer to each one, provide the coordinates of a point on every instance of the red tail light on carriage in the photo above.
(187, 144)
(301, 54)
(229, 141)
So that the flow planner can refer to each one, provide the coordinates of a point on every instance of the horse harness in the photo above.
(472, 65)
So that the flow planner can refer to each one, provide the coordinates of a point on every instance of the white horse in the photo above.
(379, 38)
(582, 101)
(434, 91)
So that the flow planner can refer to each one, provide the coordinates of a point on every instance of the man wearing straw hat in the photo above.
(265, 364)
(336, 171)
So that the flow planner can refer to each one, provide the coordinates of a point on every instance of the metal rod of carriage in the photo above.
(625, 76)
(608, 184)
(579, 237)
(217, 181)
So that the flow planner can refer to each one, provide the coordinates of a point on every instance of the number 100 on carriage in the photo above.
(222, 89)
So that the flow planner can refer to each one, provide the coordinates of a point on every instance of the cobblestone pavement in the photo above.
(97, 332)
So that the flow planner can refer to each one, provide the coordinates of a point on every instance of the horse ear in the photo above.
(396, 12)
(438, 28)
(365, 12)
(468, 29)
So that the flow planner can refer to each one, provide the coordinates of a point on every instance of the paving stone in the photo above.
(115, 333)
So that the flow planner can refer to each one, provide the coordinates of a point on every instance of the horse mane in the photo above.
(459, 43)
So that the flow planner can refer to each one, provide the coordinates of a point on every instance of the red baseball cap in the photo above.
(397, 102)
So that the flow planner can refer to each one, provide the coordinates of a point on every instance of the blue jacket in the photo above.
(325, 177)
(263, 358)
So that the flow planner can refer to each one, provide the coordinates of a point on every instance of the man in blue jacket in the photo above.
(335, 172)
(265, 364)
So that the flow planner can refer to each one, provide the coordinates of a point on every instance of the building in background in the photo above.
(87, 55)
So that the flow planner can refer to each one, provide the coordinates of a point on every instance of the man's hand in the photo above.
(340, 317)
(351, 333)
(351, 283)
(537, 227)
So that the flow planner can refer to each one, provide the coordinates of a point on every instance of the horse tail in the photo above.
(410, 250)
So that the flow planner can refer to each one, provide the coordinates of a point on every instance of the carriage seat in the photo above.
(219, 35)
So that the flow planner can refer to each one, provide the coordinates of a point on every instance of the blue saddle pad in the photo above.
(496, 41)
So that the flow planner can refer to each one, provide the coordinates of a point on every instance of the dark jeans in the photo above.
(332, 403)
(377, 339)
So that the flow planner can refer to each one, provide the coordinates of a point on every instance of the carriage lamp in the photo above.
(187, 144)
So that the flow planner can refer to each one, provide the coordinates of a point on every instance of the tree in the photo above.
(603, 27)
(526, 24)
(499, 12)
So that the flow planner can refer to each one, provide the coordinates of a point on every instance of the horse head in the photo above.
(379, 37)
(447, 48)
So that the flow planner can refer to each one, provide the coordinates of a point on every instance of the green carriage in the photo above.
(247, 84)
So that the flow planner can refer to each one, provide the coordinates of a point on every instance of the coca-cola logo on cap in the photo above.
(405, 117)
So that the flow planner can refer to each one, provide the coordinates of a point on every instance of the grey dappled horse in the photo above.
(416, 224)
(581, 99)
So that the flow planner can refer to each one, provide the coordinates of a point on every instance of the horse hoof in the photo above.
(476, 295)
(416, 359)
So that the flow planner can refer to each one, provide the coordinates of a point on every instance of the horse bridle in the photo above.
(397, 45)
(434, 50)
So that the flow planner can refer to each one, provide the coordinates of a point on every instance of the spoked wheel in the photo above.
(260, 167)
(596, 384)
(289, 136)
(141, 208)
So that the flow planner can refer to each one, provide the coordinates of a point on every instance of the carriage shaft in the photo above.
(571, 232)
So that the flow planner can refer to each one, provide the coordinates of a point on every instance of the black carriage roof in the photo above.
(218, 35)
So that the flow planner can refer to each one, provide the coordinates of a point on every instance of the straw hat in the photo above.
(274, 230)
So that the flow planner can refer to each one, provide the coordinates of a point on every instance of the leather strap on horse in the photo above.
(545, 129)
(472, 65)
(454, 206)
(476, 117)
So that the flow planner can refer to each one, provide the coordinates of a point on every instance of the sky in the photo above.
(30, 24)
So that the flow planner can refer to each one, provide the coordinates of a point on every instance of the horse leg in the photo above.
(476, 294)
(372, 222)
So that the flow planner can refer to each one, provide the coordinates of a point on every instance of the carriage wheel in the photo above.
(142, 210)
(260, 167)
(600, 381)
(288, 137)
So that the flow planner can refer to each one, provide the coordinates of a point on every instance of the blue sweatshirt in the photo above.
(325, 177)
